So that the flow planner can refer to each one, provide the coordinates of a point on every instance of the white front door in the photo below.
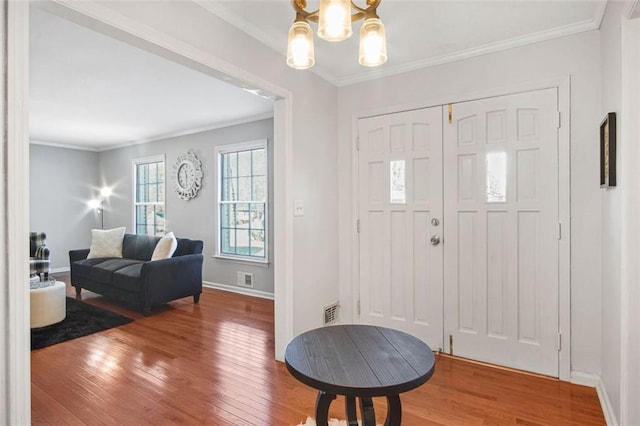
(501, 231)
(400, 200)
(489, 290)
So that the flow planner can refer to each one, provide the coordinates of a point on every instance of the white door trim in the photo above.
(630, 249)
(563, 85)
(15, 377)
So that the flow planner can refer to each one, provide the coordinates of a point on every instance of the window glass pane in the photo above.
(397, 182)
(242, 242)
(225, 241)
(140, 216)
(226, 217)
(496, 177)
(257, 243)
(258, 188)
(159, 220)
(242, 215)
(153, 172)
(161, 172)
(257, 216)
(259, 162)
(244, 163)
(153, 193)
(244, 188)
(230, 164)
(230, 189)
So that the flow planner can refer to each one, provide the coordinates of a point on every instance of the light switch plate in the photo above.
(298, 208)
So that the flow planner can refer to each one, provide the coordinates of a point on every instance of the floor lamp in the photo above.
(98, 203)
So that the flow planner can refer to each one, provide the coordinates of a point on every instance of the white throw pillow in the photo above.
(106, 243)
(165, 247)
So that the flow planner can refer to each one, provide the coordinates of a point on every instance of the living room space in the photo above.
(105, 114)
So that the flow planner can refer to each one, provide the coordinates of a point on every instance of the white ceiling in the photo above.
(419, 33)
(91, 91)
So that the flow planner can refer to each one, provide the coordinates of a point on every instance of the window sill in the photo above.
(255, 262)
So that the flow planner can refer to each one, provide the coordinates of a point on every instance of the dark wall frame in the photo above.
(608, 151)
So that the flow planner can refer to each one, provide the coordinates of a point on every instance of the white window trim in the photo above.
(134, 163)
(225, 149)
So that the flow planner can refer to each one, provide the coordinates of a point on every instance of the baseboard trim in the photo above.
(595, 381)
(59, 270)
(239, 290)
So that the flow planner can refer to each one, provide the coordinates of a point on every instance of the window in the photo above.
(242, 201)
(149, 187)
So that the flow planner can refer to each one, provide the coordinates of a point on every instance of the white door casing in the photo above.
(502, 231)
(400, 270)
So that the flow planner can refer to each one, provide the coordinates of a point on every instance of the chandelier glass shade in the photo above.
(300, 47)
(334, 18)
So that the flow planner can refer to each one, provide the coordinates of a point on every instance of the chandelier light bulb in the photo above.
(300, 54)
(373, 43)
(334, 23)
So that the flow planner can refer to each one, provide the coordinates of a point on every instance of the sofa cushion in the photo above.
(139, 247)
(106, 243)
(128, 278)
(83, 268)
(103, 272)
(165, 247)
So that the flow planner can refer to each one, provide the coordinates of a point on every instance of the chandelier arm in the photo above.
(372, 5)
(301, 14)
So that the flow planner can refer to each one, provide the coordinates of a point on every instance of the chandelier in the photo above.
(334, 18)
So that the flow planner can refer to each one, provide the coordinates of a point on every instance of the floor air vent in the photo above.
(331, 313)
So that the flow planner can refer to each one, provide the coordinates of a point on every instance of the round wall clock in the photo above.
(187, 176)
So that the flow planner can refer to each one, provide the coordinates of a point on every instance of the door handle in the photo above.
(435, 240)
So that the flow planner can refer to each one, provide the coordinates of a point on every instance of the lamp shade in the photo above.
(373, 43)
(334, 22)
(300, 54)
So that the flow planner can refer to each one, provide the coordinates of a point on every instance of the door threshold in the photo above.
(495, 366)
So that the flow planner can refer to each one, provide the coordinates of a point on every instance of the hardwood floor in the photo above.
(212, 363)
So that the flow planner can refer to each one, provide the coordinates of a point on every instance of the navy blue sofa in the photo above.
(134, 279)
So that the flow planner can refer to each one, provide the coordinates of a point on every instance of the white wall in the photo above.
(61, 182)
(196, 218)
(611, 69)
(577, 56)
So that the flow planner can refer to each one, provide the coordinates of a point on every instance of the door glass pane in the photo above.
(397, 182)
(496, 177)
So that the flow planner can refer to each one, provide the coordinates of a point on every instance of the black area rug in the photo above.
(82, 319)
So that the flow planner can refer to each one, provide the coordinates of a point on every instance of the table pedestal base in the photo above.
(394, 410)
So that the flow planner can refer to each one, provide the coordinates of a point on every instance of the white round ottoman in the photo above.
(48, 305)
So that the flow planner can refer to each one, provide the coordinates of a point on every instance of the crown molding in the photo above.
(553, 33)
(64, 145)
(102, 148)
(190, 131)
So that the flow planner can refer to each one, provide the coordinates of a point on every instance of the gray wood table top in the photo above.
(359, 360)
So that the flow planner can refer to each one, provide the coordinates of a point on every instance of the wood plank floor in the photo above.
(212, 363)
